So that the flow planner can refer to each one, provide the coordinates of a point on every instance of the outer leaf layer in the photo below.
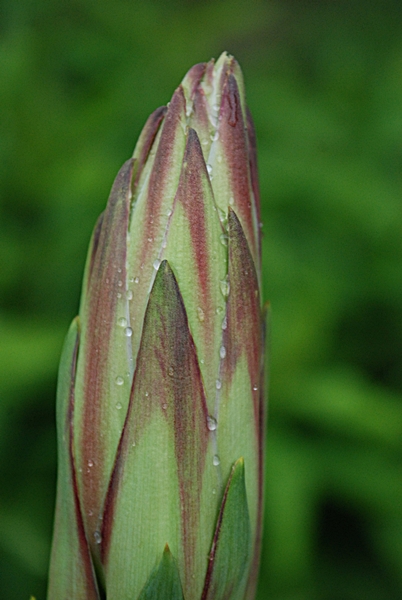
(105, 356)
(71, 573)
(160, 464)
(239, 419)
(194, 249)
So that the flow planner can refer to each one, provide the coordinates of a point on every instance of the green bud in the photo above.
(160, 407)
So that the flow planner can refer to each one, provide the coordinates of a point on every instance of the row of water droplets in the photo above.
(213, 96)
(141, 196)
(125, 293)
(214, 100)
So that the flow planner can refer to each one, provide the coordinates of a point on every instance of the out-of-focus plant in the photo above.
(160, 408)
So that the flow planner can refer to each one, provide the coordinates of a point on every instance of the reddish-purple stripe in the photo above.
(108, 269)
(191, 436)
(92, 587)
(211, 557)
(167, 368)
(200, 117)
(243, 332)
(194, 77)
(191, 195)
(209, 73)
(234, 141)
(95, 243)
(147, 137)
(255, 563)
(252, 150)
(162, 168)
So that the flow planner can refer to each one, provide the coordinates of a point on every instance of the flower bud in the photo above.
(160, 406)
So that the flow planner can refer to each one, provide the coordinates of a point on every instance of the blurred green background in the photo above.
(324, 83)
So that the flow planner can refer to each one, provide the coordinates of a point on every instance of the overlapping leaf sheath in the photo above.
(160, 399)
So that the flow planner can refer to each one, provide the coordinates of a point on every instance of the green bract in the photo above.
(160, 406)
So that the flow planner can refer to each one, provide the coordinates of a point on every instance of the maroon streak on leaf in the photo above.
(92, 253)
(193, 78)
(226, 576)
(191, 195)
(252, 148)
(200, 121)
(162, 168)
(100, 316)
(75, 577)
(243, 332)
(255, 562)
(147, 138)
(234, 142)
(167, 379)
(86, 558)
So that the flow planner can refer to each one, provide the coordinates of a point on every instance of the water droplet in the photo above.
(157, 263)
(222, 216)
(118, 295)
(171, 371)
(90, 463)
(119, 380)
(205, 142)
(119, 270)
(118, 405)
(216, 460)
(128, 332)
(209, 169)
(97, 537)
(222, 352)
(150, 239)
(219, 310)
(218, 384)
(214, 491)
(200, 314)
(211, 423)
(224, 239)
(202, 361)
(122, 322)
(146, 394)
(136, 280)
(120, 283)
(225, 323)
(215, 107)
(215, 136)
(131, 279)
(107, 279)
(231, 200)
(129, 294)
(255, 387)
(169, 212)
(90, 513)
(164, 406)
(225, 287)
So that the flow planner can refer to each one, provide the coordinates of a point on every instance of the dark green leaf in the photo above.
(164, 581)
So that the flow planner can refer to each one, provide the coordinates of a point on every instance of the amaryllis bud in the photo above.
(160, 407)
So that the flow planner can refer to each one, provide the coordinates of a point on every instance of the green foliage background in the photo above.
(324, 82)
